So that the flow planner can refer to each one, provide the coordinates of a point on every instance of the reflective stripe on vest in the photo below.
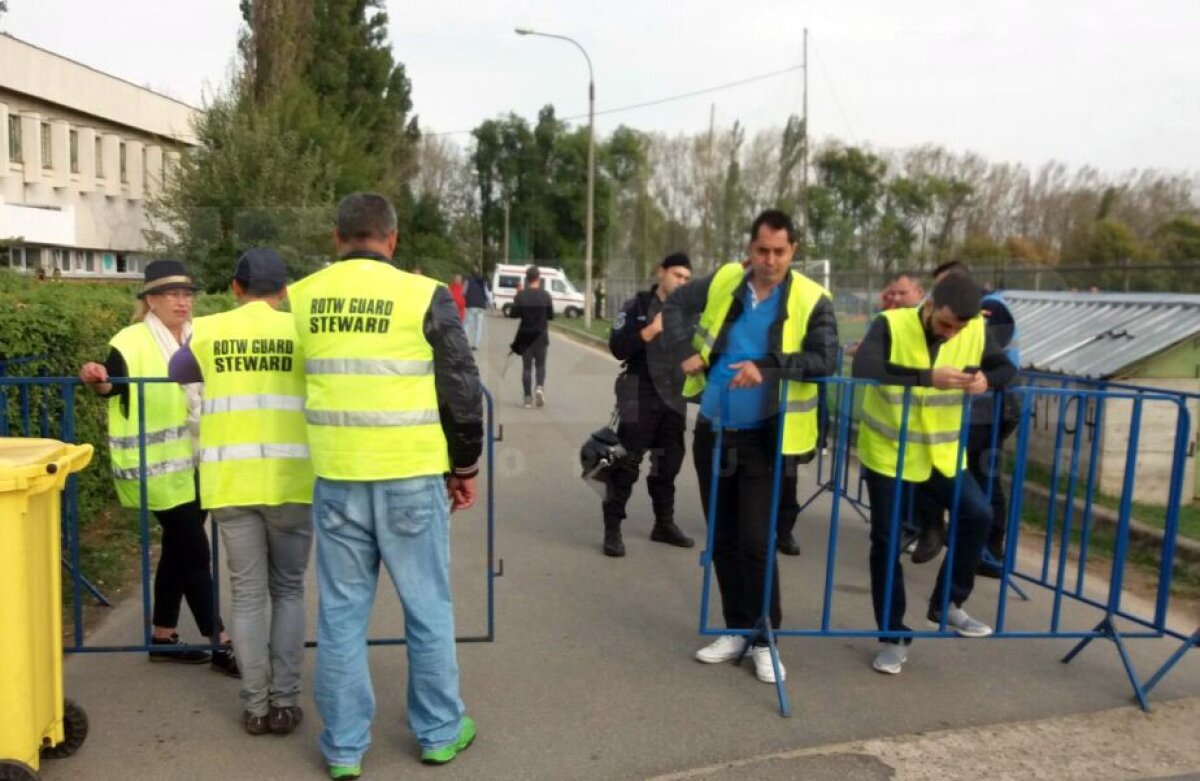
(253, 438)
(800, 398)
(368, 366)
(246, 452)
(254, 401)
(169, 446)
(934, 416)
(371, 402)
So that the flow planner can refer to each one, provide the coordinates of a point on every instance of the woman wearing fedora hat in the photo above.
(170, 415)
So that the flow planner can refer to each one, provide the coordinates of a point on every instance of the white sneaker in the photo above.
(958, 620)
(763, 667)
(724, 649)
(539, 396)
(528, 402)
(891, 658)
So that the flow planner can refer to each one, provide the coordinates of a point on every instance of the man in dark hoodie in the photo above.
(651, 410)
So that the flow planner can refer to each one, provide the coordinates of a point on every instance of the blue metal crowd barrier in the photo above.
(49, 399)
(1055, 564)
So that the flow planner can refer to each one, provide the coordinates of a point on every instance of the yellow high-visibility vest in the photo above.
(372, 406)
(800, 398)
(935, 416)
(253, 437)
(170, 472)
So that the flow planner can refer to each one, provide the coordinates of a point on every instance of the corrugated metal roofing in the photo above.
(1099, 334)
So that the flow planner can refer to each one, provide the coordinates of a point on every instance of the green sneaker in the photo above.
(440, 756)
(344, 772)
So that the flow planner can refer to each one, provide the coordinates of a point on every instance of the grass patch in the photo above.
(1151, 515)
(1185, 582)
(600, 328)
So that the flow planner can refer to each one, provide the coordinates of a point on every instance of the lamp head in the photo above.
(522, 31)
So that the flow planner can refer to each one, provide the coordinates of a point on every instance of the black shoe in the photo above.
(613, 545)
(179, 657)
(787, 545)
(223, 661)
(990, 565)
(669, 533)
(284, 720)
(255, 725)
(929, 544)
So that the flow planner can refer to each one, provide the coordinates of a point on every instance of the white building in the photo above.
(80, 153)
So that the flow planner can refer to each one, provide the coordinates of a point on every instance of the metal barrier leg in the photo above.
(1188, 644)
(87, 584)
(1106, 629)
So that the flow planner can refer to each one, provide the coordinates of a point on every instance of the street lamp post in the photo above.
(591, 170)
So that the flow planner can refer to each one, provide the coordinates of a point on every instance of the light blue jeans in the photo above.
(266, 552)
(406, 525)
(474, 325)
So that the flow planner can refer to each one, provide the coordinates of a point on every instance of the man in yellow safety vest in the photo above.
(935, 353)
(762, 331)
(394, 411)
(256, 478)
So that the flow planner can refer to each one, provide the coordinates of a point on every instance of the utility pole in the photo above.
(506, 257)
(804, 161)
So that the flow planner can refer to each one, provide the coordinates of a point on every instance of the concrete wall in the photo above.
(1155, 444)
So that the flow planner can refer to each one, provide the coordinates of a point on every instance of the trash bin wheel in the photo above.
(12, 770)
(75, 728)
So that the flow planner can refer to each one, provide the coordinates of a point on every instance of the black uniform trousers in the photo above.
(655, 427)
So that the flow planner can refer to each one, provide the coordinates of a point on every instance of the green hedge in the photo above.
(71, 323)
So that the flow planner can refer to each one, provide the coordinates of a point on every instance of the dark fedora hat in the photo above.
(164, 275)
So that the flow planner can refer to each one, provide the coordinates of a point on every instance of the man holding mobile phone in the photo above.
(922, 348)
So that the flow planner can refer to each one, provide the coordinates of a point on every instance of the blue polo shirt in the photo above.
(746, 341)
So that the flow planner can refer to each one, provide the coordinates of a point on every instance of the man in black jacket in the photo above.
(740, 345)
(535, 308)
(650, 409)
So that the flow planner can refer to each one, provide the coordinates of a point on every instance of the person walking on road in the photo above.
(940, 350)
(256, 479)
(395, 429)
(535, 309)
(161, 322)
(477, 296)
(762, 331)
(650, 408)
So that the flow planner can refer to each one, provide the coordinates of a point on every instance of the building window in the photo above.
(74, 143)
(60, 260)
(121, 267)
(99, 157)
(12, 257)
(123, 166)
(14, 138)
(47, 156)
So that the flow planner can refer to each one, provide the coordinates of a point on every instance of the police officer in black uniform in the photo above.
(651, 410)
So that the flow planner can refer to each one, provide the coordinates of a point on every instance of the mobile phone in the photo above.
(971, 370)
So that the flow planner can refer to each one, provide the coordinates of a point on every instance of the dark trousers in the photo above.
(658, 429)
(789, 506)
(927, 512)
(742, 517)
(534, 354)
(974, 521)
(184, 569)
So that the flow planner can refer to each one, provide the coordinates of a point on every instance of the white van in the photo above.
(507, 279)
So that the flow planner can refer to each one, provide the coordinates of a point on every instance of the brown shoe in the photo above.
(255, 725)
(284, 720)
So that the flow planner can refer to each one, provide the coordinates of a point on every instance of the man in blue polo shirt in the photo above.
(758, 326)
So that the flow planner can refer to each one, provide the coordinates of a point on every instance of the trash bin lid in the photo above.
(21, 453)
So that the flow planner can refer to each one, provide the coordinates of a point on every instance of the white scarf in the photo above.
(168, 346)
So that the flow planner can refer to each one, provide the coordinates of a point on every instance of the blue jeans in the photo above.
(406, 525)
(474, 325)
(974, 521)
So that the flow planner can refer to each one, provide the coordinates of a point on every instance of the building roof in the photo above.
(49, 77)
(1099, 335)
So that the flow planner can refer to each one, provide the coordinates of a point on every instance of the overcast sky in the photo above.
(1115, 85)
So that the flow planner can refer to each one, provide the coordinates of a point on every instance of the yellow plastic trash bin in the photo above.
(35, 720)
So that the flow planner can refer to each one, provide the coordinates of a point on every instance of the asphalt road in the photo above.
(591, 674)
